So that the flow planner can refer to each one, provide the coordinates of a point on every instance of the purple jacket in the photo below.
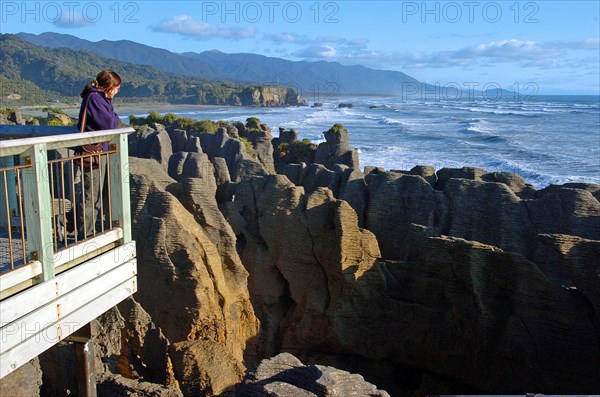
(100, 113)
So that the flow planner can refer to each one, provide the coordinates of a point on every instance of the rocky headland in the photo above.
(266, 263)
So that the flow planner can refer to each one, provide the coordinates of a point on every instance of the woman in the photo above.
(96, 113)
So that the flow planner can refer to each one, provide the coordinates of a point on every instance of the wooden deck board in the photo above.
(66, 303)
(45, 314)
(45, 338)
(18, 306)
(50, 291)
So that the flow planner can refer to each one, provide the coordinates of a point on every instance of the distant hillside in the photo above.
(314, 80)
(32, 74)
(126, 51)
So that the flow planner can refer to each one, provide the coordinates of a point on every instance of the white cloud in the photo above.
(592, 43)
(186, 26)
(316, 51)
(523, 53)
(316, 42)
(358, 43)
(526, 53)
(331, 39)
(508, 49)
(284, 37)
(72, 20)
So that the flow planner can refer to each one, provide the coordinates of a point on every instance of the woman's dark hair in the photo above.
(105, 80)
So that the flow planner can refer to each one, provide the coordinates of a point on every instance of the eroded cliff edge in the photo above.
(423, 281)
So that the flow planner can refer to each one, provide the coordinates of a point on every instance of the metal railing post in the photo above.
(38, 211)
(11, 200)
(119, 185)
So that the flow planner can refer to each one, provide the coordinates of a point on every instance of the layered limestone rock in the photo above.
(500, 324)
(490, 212)
(25, 381)
(271, 96)
(119, 386)
(57, 118)
(433, 302)
(129, 343)
(406, 210)
(567, 210)
(336, 149)
(239, 162)
(291, 152)
(12, 116)
(160, 143)
(467, 311)
(285, 376)
(578, 257)
(259, 135)
(424, 282)
(396, 201)
(151, 142)
(175, 248)
(297, 248)
(192, 290)
(206, 368)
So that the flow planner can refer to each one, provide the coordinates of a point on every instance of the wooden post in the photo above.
(38, 207)
(119, 185)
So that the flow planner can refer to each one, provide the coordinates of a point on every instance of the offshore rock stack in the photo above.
(422, 281)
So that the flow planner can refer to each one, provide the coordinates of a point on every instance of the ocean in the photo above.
(545, 139)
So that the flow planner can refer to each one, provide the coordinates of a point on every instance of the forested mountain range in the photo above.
(320, 79)
(33, 74)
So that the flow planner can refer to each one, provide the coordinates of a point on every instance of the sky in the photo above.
(530, 47)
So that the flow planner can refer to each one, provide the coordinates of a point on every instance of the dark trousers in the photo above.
(91, 203)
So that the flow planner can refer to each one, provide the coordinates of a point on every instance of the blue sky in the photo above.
(543, 46)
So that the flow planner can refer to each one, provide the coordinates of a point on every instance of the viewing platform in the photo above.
(54, 280)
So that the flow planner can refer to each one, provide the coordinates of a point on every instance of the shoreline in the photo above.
(481, 129)
(162, 108)
(123, 110)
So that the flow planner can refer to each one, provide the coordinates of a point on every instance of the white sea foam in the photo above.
(500, 111)
(551, 144)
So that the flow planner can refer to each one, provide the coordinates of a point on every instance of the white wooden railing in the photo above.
(57, 289)
(42, 258)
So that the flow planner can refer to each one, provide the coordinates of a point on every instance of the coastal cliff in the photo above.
(270, 96)
(422, 281)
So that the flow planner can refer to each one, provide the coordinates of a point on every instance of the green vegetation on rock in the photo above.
(55, 122)
(170, 119)
(248, 147)
(252, 123)
(240, 127)
(336, 128)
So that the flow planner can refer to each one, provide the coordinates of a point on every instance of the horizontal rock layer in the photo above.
(455, 281)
